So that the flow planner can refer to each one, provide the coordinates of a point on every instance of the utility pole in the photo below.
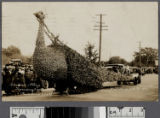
(100, 26)
(100, 37)
(140, 54)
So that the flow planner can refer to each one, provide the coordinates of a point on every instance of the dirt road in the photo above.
(146, 91)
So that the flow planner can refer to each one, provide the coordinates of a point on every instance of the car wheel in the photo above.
(139, 80)
(119, 82)
(135, 81)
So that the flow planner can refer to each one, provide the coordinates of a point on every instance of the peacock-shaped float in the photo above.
(68, 69)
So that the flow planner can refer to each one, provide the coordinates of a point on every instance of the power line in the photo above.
(100, 27)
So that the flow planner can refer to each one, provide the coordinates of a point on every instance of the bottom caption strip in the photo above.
(77, 112)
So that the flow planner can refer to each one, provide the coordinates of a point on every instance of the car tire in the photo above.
(139, 80)
(135, 81)
(118, 82)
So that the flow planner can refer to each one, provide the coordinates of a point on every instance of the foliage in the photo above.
(13, 52)
(91, 53)
(148, 57)
(117, 60)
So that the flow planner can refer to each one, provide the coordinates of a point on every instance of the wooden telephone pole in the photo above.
(140, 54)
(100, 26)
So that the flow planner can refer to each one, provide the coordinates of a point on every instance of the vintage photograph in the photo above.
(79, 51)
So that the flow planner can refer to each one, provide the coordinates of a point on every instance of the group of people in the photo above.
(17, 76)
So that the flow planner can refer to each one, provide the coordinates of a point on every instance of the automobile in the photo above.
(136, 77)
(15, 62)
(119, 66)
(134, 73)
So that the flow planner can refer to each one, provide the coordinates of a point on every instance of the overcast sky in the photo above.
(128, 23)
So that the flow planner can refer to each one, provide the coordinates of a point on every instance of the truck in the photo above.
(122, 69)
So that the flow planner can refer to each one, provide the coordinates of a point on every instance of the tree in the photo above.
(117, 60)
(91, 53)
(13, 52)
(148, 57)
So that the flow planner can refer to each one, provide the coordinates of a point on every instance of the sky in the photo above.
(128, 24)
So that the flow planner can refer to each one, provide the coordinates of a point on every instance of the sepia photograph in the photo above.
(79, 51)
